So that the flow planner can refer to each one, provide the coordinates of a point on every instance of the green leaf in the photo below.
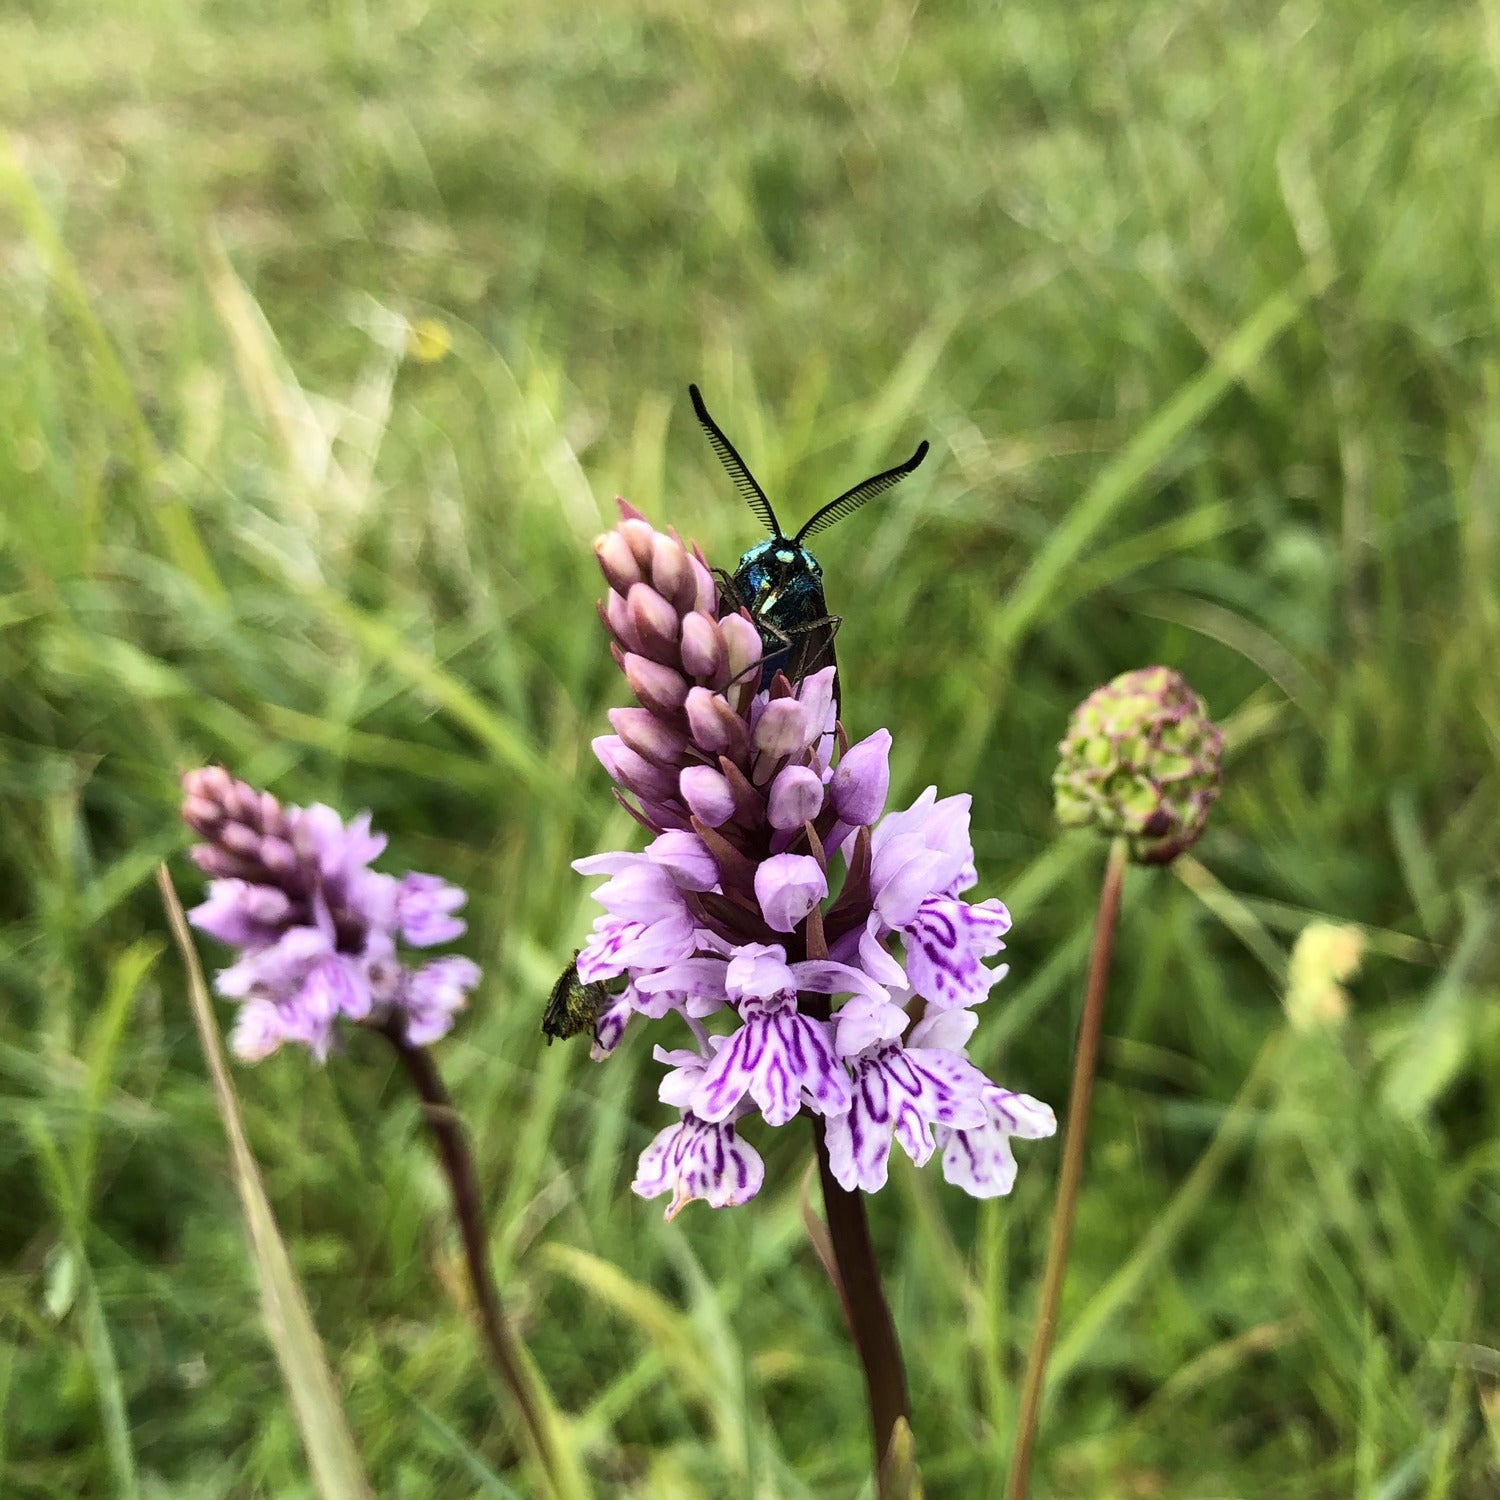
(316, 1404)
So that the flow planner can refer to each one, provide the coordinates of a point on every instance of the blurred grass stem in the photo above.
(1085, 1061)
(504, 1348)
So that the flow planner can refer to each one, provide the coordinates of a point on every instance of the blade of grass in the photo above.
(165, 515)
(659, 1322)
(1120, 479)
(337, 1470)
(96, 1340)
(449, 1441)
(126, 977)
(1107, 1302)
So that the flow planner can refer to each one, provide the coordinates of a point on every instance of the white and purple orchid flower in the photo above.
(817, 949)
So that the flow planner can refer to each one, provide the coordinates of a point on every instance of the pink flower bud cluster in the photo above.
(685, 666)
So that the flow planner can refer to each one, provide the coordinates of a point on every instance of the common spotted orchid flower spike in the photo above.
(316, 928)
(815, 952)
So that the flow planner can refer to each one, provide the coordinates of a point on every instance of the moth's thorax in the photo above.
(781, 585)
(775, 574)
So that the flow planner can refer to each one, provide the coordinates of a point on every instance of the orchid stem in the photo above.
(1085, 1060)
(501, 1344)
(871, 1327)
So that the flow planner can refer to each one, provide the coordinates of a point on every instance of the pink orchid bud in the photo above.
(796, 798)
(862, 779)
(640, 537)
(781, 730)
(238, 839)
(742, 641)
(708, 794)
(616, 561)
(655, 686)
(704, 654)
(788, 886)
(655, 623)
(202, 815)
(647, 735)
(621, 622)
(714, 725)
(633, 772)
(672, 572)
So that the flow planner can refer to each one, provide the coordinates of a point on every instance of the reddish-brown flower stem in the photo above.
(1085, 1060)
(504, 1349)
(870, 1324)
(871, 1327)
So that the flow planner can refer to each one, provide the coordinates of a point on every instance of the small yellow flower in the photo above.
(1323, 957)
(428, 340)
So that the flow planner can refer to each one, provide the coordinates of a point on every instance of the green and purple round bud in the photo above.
(1140, 761)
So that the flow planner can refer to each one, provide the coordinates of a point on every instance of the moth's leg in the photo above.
(730, 598)
(813, 648)
(784, 642)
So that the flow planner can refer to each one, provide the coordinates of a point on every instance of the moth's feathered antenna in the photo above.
(744, 480)
(851, 500)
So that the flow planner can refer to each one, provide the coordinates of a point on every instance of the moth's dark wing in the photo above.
(851, 500)
(735, 466)
(555, 1016)
(812, 650)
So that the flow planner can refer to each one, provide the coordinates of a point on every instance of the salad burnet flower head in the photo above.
(817, 952)
(317, 929)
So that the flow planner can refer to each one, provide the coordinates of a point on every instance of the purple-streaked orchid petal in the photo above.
(859, 1140)
(609, 1026)
(980, 1160)
(699, 1159)
(900, 1094)
(945, 940)
(777, 1057)
(788, 886)
(617, 944)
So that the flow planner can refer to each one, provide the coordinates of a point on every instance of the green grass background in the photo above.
(1197, 303)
